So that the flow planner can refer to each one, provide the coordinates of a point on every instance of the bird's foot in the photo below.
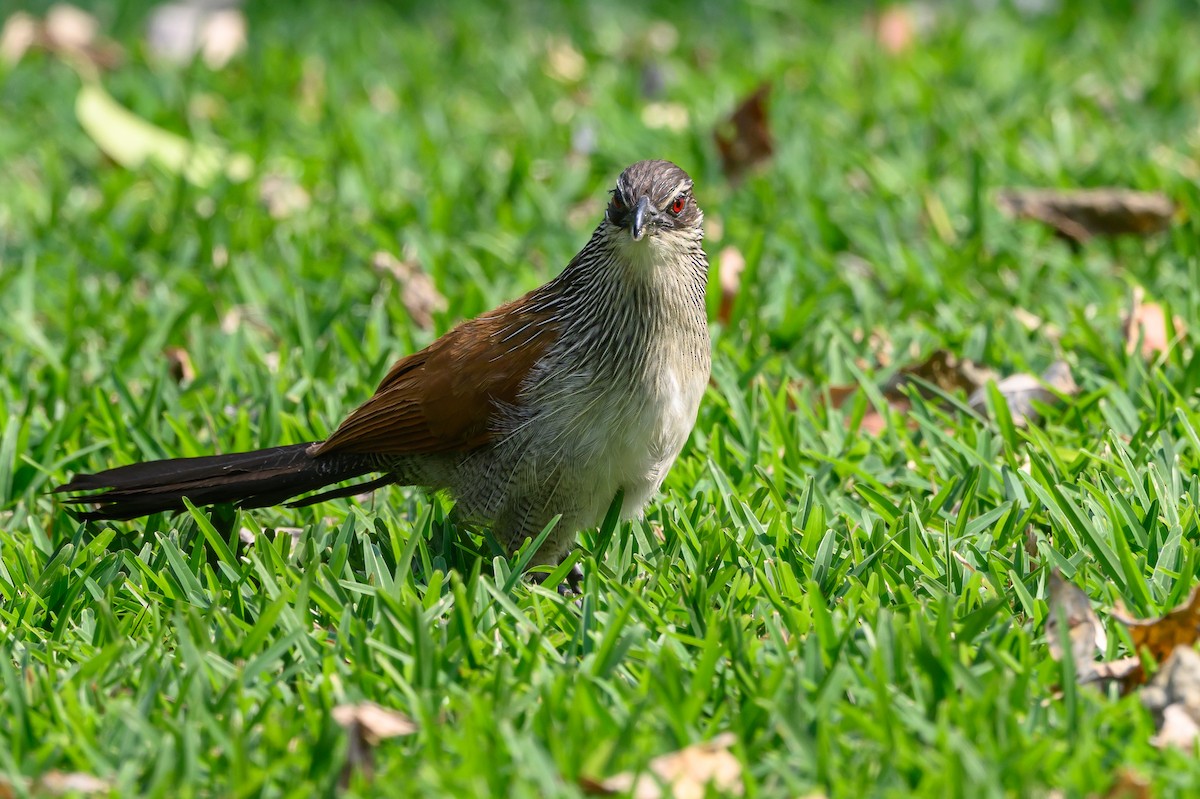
(571, 586)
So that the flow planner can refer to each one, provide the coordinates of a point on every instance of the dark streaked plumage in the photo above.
(549, 405)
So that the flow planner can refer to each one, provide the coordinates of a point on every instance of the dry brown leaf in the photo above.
(943, 369)
(1146, 327)
(1127, 671)
(1178, 728)
(282, 195)
(67, 32)
(70, 27)
(222, 37)
(418, 293)
(686, 774)
(1129, 785)
(56, 783)
(21, 32)
(875, 423)
(1035, 323)
(563, 62)
(744, 139)
(730, 265)
(895, 29)
(1022, 390)
(898, 26)
(179, 364)
(1160, 637)
(1173, 696)
(951, 374)
(839, 394)
(178, 32)
(666, 115)
(377, 723)
(1070, 605)
(366, 724)
(1081, 214)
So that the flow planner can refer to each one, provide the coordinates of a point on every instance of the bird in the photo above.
(549, 407)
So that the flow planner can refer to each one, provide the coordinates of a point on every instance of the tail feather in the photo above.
(251, 479)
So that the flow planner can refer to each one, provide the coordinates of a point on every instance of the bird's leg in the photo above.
(571, 586)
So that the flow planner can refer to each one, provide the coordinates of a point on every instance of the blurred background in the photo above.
(475, 146)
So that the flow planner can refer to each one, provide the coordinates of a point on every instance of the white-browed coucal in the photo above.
(550, 405)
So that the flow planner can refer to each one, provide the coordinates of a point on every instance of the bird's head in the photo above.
(653, 198)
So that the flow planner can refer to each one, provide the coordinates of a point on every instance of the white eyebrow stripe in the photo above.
(680, 187)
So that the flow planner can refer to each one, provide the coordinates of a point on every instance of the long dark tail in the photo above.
(250, 479)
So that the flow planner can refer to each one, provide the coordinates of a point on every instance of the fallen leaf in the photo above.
(730, 265)
(1031, 543)
(563, 62)
(686, 774)
(1178, 728)
(222, 37)
(282, 195)
(950, 374)
(898, 26)
(875, 423)
(178, 32)
(179, 364)
(57, 783)
(744, 139)
(1173, 696)
(1129, 785)
(20, 33)
(1146, 327)
(377, 723)
(1035, 323)
(132, 141)
(70, 27)
(1127, 671)
(1081, 214)
(418, 293)
(660, 37)
(67, 32)
(895, 29)
(366, 724)
(1069, 605)
(1160, 637)
(671, 116)
(839, 394)
(943, 369)
(1022, 390)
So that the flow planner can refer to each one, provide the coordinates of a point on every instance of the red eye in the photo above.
(617, 203)
(677, 206)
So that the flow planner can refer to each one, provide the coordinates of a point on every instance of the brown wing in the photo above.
(443, 398)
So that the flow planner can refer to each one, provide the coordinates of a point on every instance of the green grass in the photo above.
(859, 611)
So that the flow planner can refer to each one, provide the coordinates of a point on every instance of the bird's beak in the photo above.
(641, 218)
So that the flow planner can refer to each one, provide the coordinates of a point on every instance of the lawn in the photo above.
(854, 593)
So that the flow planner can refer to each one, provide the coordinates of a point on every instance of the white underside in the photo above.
(602, 437)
